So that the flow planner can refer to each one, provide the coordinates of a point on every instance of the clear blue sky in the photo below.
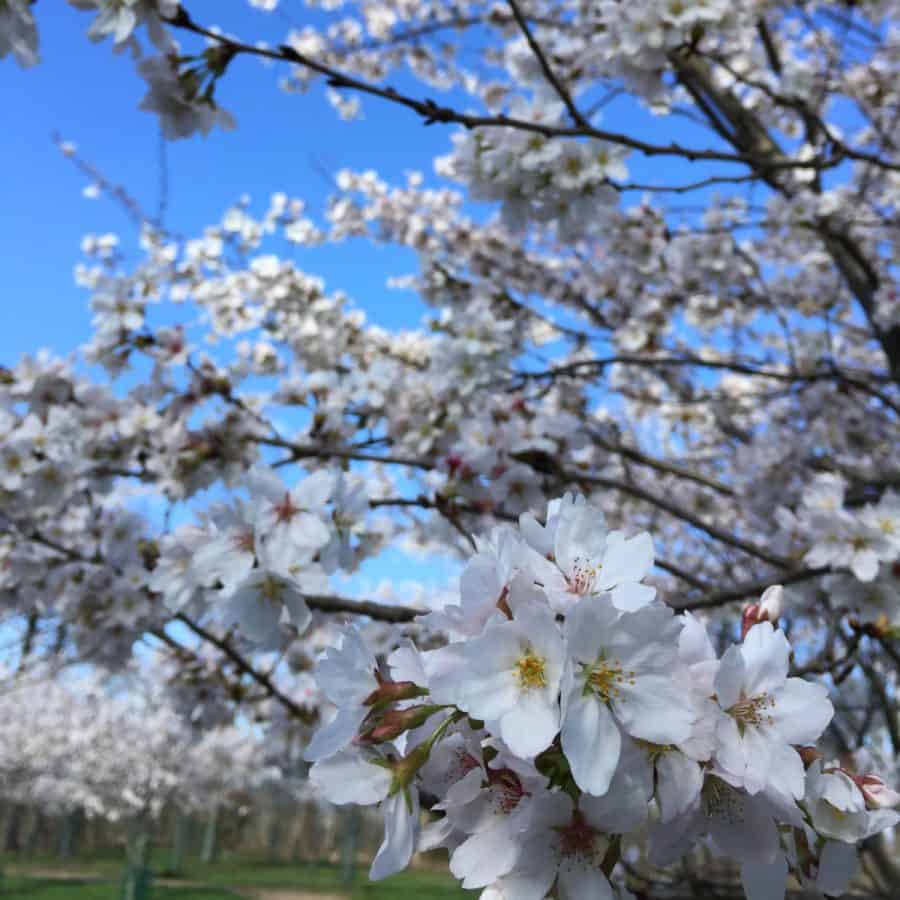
(284, 142)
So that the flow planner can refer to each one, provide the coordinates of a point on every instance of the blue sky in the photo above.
(284, 142)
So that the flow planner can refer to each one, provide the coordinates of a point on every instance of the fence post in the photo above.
(350, 844)
(180, 842)
(211, 837)
(69, 834)
(138, 879)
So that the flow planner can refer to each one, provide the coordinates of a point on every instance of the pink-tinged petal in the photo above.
(766, 654)
(401, 823)
(730, 677)
(654, 708)
(591, 741)
(802, 711)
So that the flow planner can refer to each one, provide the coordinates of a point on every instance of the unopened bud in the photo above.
(809, 755)
(396, 721)
(392, 691)
(768, 609)
(878, 795)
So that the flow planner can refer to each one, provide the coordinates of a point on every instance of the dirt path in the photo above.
(285, 894)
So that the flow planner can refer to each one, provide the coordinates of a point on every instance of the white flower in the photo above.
(565, 846)
(401, 827)
(292, 522)
(180, 113)
(510, 675)
(492, 822)
(838, 808)
(346, 675)
(765, 714)
(352, 775)
(619, 679)
(257, 604)
(589, 561)
(119, 18)
(18, 34)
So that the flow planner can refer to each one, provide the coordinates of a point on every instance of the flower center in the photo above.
(581, 841)
(654, 751)
(604, 678)
(507, 789)
(583, 576)
(752, 711)
(270, 589)
(285, 511)
(530, 671)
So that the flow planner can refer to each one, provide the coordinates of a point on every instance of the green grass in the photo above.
(47, 889)
(220, 881)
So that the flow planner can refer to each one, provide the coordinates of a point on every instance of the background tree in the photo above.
(678, 300)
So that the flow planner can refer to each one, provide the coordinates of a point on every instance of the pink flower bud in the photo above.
(878, 795)
(809, 755)
(768, 609)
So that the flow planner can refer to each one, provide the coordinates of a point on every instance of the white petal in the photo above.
(730, 677)
(626, 560)
(348, 777)
(679, 781)
(765, 881)
(654, 708)
(766, 654)
(591, 741)
(532, 723)
(401, 821)
(336, 734)
(631, 596)
(486, 856)
(837, 866)
(802, 711)
(578, 881)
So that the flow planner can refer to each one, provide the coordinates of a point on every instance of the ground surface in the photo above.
(101, 879)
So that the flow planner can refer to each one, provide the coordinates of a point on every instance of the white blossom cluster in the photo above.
(574, 721)
(77, 744)
(539, 179)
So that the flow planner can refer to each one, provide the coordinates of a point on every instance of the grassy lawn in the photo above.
(99, 878)
(44, 889)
